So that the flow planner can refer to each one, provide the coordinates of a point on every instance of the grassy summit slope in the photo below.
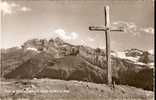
(50, 89)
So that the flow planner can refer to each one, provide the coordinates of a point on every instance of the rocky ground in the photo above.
(50, 89)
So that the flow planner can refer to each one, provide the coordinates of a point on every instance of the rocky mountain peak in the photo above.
(59, 41)
(133, 52)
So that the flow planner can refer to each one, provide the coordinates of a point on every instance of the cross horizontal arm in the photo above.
(120, 29)
(96, 28)
(103, 28)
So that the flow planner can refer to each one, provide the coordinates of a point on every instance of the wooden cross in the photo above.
(107, 28)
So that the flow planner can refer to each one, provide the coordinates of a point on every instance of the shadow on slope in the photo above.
(74, 67)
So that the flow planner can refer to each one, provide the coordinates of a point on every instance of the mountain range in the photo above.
(56, 59)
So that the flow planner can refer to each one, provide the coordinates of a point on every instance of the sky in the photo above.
(22, 20)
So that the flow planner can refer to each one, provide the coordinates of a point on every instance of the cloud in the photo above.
(102, 47)
(86, 41)
(151, 51)
(66, 36)
(6, 8)
(149, 30)
(74, 35)
(90, 39)
(126, 25)
(132, 28)
(9, 8)
(129, 27)
(25, 9)
(83, 42)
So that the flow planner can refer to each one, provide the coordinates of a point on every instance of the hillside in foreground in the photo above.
(50, 89)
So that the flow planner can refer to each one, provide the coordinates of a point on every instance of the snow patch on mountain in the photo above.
(151, 65)
(151, 51)
(135, 59)
(33, 49)
(122, 55)
(19, 47)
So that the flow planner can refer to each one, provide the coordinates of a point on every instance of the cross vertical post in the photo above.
(107, 28)
(107, 35)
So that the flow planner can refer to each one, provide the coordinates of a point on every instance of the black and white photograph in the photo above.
(77, 50)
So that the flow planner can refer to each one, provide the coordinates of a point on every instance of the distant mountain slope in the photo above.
(13, 58)
(59, 60)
